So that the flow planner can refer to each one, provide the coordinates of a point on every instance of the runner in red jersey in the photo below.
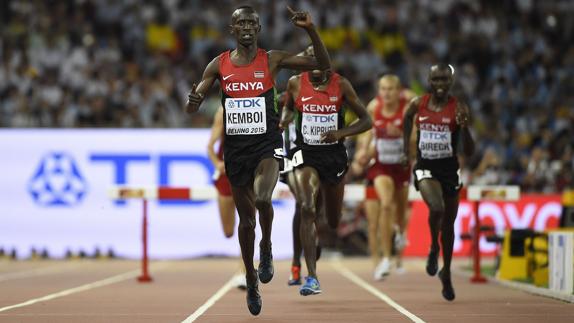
(315, 103)
(387, 174)
(441, 121)
(221, 182)
(252, 137)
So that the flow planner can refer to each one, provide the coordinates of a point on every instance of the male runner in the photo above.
(321, 159)
(387, 175)
(441, 121)
(252, 136)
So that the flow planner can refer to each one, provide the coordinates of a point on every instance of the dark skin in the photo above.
(442, 209)
(245, 28)
(308, 183)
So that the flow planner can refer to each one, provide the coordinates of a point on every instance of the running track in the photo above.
(106, 291)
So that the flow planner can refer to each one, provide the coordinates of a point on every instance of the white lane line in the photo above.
(211, 301)
(37, 272)
(339, 267)
(99, 283)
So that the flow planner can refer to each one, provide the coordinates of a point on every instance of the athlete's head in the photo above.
(315, 76)
(390, 88)
(441, 77)
(245, 25)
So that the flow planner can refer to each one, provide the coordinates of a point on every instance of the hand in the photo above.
(300, 18)
(194, 99)
(283, 124)
(330, 136)
(462, 117)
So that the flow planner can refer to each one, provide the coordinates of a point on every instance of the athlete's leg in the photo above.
(245, 203)
(333, 202)
(432, 194)
(266, 175)
(402, 219)
(372, 211)
(308, 189)
(385, 188)
(297, 248)
(447, 239)
(227, 214)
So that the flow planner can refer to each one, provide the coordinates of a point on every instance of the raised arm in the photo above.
(198, 91)
(216, 134)
(289, 107)
(463, 121)
(320, 61)
(352, 101)
(408, 127)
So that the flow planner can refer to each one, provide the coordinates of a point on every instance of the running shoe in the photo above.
(311, 287)
(432, 262)
(253, 298)
(383, 269)
(295, 278)
(265, 266)
(447, 289)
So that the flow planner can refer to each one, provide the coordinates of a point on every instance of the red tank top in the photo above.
(436, 139)
(248, 80)
(320, 110)
(389, 145)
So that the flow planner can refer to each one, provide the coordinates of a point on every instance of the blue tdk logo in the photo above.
(57, 181)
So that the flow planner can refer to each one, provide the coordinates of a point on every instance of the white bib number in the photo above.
(435, 144)
(390, 151)
(314, 125)
(245, 116)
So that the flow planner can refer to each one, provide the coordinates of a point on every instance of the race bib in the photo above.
(390, 151)
(245, 116)
(435, 144)
(314, 125)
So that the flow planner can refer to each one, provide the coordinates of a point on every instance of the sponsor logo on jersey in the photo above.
(243, 86)
(319, 108)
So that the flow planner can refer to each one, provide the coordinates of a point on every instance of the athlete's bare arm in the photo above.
(463, 121)
(289, 107)
(281, 59)
(198, 92)
(353, 102)
(216, 133)
(364, 147)
(408, 120)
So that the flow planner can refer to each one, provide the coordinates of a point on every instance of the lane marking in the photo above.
(211, 301)
(339, 267)
(82, 288)
(37, 272)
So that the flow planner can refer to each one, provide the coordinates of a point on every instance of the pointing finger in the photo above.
(291, 11)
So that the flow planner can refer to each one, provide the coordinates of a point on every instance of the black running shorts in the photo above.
(447, 177)
(331, 165)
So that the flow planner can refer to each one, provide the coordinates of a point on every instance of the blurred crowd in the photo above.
(130, 63)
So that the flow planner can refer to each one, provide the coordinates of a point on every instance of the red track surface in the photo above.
(181, 287)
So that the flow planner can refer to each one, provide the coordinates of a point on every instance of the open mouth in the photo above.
(246, 36)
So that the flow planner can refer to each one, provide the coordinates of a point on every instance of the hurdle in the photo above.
(353, 193)
(476, 194)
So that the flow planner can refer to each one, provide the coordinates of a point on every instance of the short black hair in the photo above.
(247, 8)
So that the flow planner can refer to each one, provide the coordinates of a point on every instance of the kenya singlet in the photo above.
(437, 136)
(318, 111)
(389, 147)
(250, 117)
